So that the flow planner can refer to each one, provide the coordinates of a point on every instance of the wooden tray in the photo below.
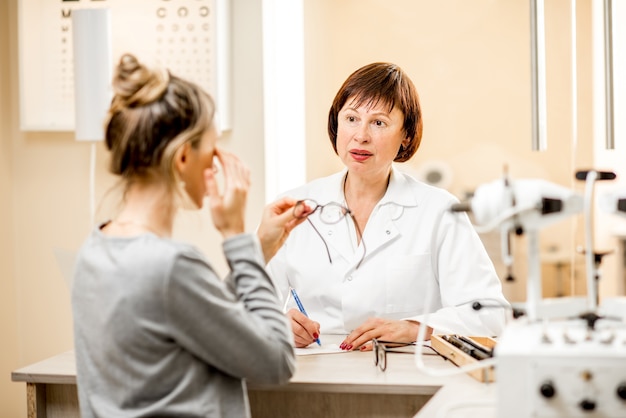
(460, 358)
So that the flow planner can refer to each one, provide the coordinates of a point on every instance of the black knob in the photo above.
(587, 405)
(547, 390)
(621, 391)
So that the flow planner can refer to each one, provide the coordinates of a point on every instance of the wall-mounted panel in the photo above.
(190, 37)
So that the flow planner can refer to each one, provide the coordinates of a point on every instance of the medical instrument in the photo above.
(524, 207)
(467, 348)
(566, 357)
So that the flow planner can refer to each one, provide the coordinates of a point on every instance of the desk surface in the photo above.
(352, 372)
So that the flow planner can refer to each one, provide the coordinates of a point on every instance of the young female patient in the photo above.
(157, 332)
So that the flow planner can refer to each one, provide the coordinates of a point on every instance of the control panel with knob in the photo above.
(587, 405)
(555, 370)
(547, 390)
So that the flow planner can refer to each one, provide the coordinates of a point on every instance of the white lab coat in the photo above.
(420, 258)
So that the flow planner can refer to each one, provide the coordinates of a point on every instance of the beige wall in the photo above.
(12, 397)
(470, 62)
(468, 59)
(45, 205)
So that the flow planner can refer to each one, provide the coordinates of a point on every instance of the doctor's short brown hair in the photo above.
(385, 83)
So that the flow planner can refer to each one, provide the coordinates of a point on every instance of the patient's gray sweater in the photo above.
(157, 333)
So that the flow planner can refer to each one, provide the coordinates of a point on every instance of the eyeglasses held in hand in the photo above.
(330, 213)
(381, 348)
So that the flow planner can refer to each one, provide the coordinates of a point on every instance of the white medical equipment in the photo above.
(566, 357)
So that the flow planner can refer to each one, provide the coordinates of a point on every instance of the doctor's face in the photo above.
(369, 137)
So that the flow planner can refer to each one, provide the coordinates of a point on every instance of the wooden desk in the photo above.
(324, 385)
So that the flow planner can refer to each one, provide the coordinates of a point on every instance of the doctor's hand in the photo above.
(305, 330)
(277, 222)
(382, 329)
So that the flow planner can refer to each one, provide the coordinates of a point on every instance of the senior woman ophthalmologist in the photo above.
(364, 264)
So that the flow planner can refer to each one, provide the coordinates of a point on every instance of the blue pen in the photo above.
(297, 299)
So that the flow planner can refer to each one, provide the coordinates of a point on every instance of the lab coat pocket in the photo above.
(407, 280)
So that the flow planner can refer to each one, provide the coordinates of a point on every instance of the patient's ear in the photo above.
(182, 157)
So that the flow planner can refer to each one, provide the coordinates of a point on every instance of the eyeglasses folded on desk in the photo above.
(382, 347)
(462, 350)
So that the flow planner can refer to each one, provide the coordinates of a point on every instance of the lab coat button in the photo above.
(388, 232)
(349, 278)
(330, 232)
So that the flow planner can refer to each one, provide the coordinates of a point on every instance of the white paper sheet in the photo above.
(316, 349)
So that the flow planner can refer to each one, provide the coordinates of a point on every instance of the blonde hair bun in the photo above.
(134, 84)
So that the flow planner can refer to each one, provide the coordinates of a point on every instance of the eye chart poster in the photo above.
(181, 35)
